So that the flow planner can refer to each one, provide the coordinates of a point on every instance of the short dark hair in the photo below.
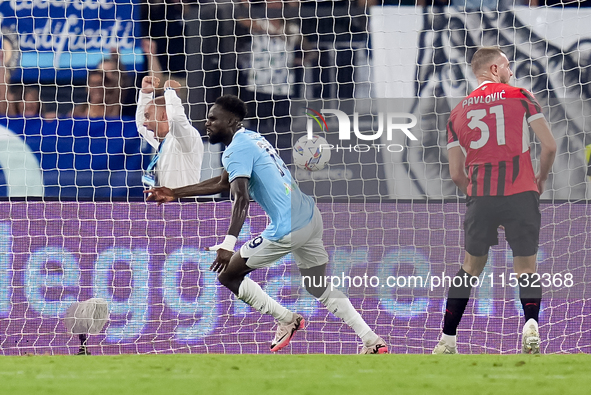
(484, 57)
(233, 105)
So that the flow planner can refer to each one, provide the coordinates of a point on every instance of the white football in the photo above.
(311, 154)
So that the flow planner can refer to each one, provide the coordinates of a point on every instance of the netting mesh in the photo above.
(69, 80)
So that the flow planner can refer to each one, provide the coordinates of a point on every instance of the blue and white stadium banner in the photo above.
(57, 40)
(79, 159)
(71, 158)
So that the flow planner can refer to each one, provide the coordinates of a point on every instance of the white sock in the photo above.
(251, 293)
(338, 304)
(449, 340)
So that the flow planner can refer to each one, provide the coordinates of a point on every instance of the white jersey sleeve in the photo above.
(181, 129)
(143, 100)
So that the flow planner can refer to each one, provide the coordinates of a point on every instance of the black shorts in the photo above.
(519, 214)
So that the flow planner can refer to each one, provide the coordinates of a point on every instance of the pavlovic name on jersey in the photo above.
(484, 99)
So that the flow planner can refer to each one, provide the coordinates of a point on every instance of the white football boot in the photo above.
(378, 347)
(444, 347)
(530, 339)
(285, 332)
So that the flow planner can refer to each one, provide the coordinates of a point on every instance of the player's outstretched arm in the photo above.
(239, 189)
(208, 187)
(212, 186)
(542, 131)
(457, 168)
(225, 250)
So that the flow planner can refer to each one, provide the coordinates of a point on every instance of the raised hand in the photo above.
(172, 84)
(149, 84)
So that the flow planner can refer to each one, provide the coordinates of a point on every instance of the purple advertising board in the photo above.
(149, 262)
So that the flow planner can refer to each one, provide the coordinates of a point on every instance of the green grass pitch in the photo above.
(296, 374)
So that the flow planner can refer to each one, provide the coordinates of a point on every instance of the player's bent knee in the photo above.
(316, 292)
(223, 279)
(315, 280)
(230, 281)
(315, 285)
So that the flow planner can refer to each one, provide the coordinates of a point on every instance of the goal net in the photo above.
(378, 82)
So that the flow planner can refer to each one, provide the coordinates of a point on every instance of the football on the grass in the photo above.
(311, 154)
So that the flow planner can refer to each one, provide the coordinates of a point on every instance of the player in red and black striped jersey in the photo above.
(490, 161)
(492, 127)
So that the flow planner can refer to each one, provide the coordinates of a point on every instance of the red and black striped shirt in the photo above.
(491, 125)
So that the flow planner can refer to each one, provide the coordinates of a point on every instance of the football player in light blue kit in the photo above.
(253, 168)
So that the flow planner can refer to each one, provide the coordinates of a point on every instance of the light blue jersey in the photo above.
(270, 183)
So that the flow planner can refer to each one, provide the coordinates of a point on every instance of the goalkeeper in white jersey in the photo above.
(164, 125)
(253, 169)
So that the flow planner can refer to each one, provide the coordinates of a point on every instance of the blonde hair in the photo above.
(484, 57)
